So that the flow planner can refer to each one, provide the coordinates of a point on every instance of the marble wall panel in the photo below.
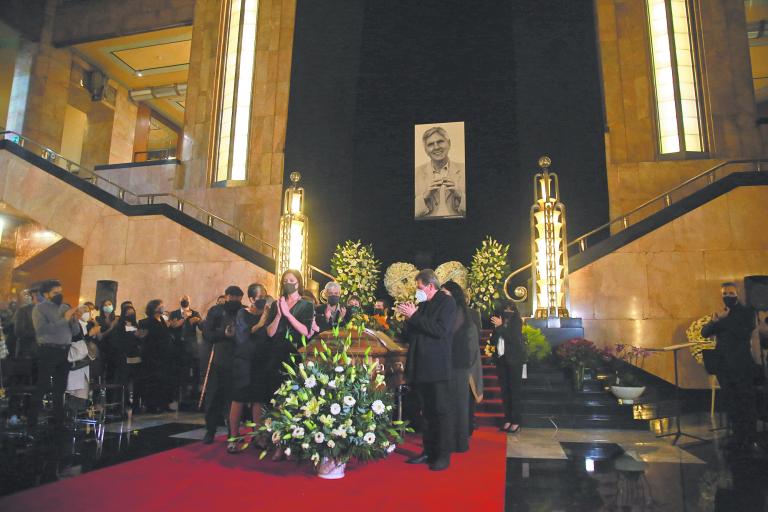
(149, 179)
(620, 286)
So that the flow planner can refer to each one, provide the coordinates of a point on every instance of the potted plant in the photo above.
(628, 385)
(331, 409)
(537, 348)
(577, 354)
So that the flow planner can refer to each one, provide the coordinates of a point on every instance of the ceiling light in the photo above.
(139, 73)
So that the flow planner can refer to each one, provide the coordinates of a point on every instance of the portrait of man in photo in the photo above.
(440, 191)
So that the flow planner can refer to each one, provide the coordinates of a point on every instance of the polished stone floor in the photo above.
(547, 469)
(615, 470)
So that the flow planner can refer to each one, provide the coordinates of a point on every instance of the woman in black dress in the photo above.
(466, 343)
(157, 349)
(251, 355)
(509, 355)
(126, 345)
(290, 320)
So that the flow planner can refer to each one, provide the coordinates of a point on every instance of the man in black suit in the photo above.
(428, 368)
(733, 327)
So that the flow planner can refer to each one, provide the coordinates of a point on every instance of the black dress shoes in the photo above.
(440, 464)
(208, 438)
(418, 459)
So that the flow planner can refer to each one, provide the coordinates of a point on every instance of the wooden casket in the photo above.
(388, 355)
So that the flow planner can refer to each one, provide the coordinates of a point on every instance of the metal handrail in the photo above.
(211, 218)
(623, 220)
(314, 269)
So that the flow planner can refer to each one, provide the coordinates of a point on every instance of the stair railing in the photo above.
(658, 203)
(125, 195)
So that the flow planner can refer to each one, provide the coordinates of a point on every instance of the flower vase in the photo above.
(578, 377)
(331, 469)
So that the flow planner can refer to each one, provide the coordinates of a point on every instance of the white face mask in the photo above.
(165, 317)
(421, 296)
(86, 316)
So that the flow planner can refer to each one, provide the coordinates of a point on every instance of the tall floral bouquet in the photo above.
(333, 408)
(487, 272)
(356, 269)
(693, 333)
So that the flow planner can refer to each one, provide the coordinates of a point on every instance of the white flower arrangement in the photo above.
(487, 272)
(453, 271)
(340, 418)
(399, 280)
(693, 333)
(357, 270)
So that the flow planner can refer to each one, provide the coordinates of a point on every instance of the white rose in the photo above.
(335, 409)
(322, 392)
(332, 384)
(319, 437)
(331, 444)
(349, 401)
(339, 369)
(310, 382)
(378, 407)
(369, 438)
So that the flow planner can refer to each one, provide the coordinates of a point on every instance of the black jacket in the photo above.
(324, 325)
(514, 347)
(429, 334)
(734, 336)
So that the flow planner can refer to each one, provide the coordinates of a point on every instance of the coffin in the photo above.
(388, 355)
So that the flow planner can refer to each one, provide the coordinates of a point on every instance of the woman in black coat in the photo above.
(509, 356)
(125, 343)
(466, 342)
(157, 351)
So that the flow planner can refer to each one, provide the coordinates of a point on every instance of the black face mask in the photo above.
(231, 306)
(260, 303)
(354, 309)
(730, 301)
(130, 318)
(185, 303)
(289, 288)
(57, 299)
(333, 300)
(378, 312)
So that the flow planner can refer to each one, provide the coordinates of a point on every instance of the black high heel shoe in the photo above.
(515, 431)
(506, 428)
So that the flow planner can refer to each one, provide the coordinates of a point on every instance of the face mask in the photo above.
(165, 318)
(130, 318)
(354, 309)
(231, 306)
(260, 303)
(86, 316)
(57, 299)
(289, 288)
(333, 300)
(378, 312)
(109, 309)
(730, 301)
(185, 303)
(421, 296)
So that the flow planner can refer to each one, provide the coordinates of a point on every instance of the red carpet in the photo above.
(199, 477)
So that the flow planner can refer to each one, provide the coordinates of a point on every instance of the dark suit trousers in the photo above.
(740, 401)
(218, 395)
(437, 412)
(511, 383)
(52, 366)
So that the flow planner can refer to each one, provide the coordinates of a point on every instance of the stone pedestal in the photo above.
(558, 330)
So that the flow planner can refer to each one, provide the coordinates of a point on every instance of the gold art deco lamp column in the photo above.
(549, 248)
(292, 249)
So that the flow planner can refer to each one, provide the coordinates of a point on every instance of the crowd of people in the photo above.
(233, 359)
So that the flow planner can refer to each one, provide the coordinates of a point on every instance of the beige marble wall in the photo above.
(256, 206)
(123, 127)
(647, 293)
(146, 179)
(149, 256)
(635, 173)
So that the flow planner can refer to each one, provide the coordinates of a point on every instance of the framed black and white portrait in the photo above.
(439, 172)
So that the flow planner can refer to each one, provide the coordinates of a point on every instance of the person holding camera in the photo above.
(507, 338)
(736, 368)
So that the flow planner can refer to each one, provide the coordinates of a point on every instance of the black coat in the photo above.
(512, 332)
(734, 336)
(429, 334)
(340, 321)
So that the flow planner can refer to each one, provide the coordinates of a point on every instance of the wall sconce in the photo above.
(292, 249)
(549, 247)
